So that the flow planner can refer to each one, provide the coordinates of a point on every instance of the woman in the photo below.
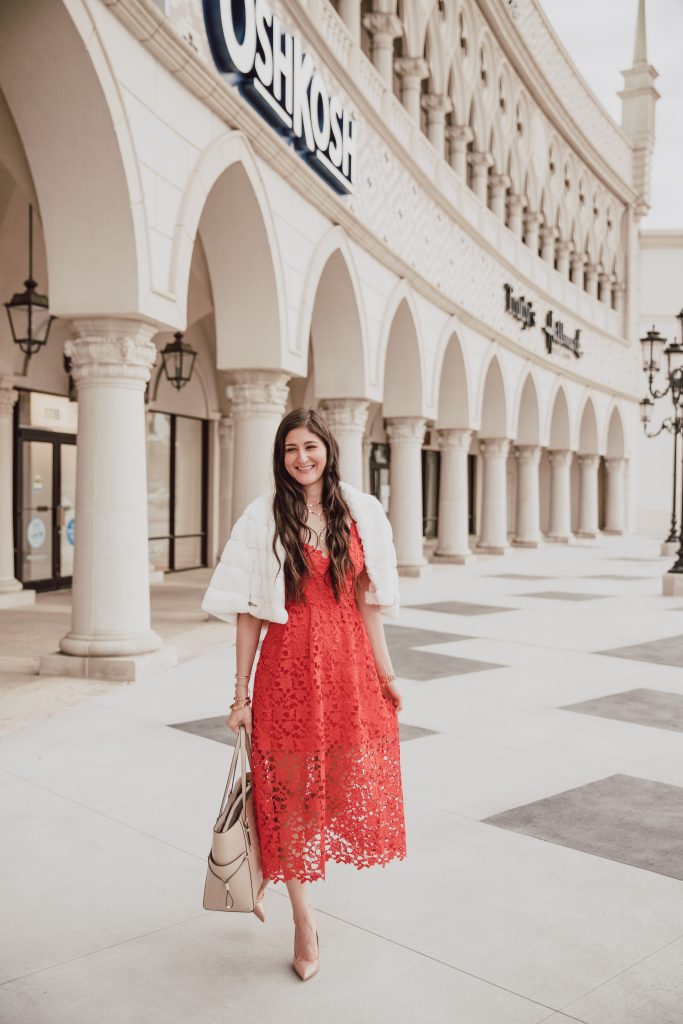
(316, 559)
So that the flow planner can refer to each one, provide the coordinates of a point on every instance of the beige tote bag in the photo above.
(234, 873)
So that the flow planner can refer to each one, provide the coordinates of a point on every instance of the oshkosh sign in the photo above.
(250, 45)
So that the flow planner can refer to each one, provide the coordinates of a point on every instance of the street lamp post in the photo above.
(654, 348)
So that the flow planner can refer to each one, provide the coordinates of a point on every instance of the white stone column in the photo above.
(493, 536)
(349, 12)
(588, 496)
(576, 268)
(604, 287)
(532, 224)
(498, 186)
(527, 530)
(436, 107)
(11, 590)
(480, 163)
(618, 289)
(383, 29)
(347, 418)
(406, 434)
(110, 631)
(459, 136)
(258, 400)
(515, 208)
(226, 439)
(547, 236)
(614, 505)
(453, 540)
(560, 496)
(411, 71)
(563, 251)
(590, 279)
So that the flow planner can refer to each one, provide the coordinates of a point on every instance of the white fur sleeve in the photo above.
(383, 589)
(230, 586)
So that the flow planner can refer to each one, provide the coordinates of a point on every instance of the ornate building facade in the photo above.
(415, 215)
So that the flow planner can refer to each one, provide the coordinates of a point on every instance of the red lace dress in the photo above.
(325, 750)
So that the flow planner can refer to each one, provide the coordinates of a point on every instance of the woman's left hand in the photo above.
(389, 690)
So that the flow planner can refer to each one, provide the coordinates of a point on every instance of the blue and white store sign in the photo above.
(253, 50)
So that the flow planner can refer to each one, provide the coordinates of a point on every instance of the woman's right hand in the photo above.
(238, 717)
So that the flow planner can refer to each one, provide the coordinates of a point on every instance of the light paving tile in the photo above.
(650, 992)
(230, 967)
(516, 912)
(73, 881)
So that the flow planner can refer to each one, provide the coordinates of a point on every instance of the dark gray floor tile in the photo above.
(209, 728)
(459, 608)
(405, 637)
(615, 576)
(667, 651)
(519, 576)
(621, 818)
(423, 665)
(564, 595)
(656, 708)
(216, 729)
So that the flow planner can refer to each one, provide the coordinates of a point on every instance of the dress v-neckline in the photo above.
(319, 550)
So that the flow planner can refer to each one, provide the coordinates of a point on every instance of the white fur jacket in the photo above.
(247, 579)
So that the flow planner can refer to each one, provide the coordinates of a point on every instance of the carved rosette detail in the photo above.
(346, 414)
(111, 350)
(258, 392)
(455, 439)
(406, 430)
(530, 453)
(8, 398)
(560, 457)
(496, 446)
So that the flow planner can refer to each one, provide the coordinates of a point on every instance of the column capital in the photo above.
(590, 461)
(411, 67)
(528, 453)
(8, 396)
(499, 183)
(226, 430)
(494, 445)
(112, 349)
(258, 391)
(548, 232)
(577, 261)
(591, 270)
(345, 413)
(436, 103)
(564, 248)
(614, 464)
(379, 23)
(533, 219)
(560, 456)
(458, 438)
(406, 429)
(480, 160)
(459, 135)
(516, 202)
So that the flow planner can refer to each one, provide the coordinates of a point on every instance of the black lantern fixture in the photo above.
(178, 359)
(28, 311)
(654, 348)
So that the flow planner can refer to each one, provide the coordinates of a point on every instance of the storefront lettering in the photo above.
(252, 49)
(554, 335)
(554, 332)
(519, 308)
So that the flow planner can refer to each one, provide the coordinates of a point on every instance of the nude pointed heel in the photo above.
(258, 909)
(307, 968)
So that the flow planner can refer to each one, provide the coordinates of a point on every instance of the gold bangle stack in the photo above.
(389, 678)
(242, 701)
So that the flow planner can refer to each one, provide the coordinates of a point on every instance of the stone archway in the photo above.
(588, 463)
(525, 482)
(492, 463)
(556, 491)
(454, 438)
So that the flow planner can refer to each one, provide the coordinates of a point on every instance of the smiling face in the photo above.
(305, 457)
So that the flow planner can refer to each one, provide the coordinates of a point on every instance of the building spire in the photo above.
(640, 48)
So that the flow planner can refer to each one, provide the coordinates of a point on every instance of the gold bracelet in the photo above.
(239, 703)
(388, 678)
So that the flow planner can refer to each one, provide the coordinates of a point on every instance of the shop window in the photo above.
(177, 483)
(379, 474)
(430, 492)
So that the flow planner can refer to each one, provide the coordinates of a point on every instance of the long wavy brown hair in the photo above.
(289, 510)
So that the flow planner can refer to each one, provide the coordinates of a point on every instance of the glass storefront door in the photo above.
(44, 515)
(177, 483)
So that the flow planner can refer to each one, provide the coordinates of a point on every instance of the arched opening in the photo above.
(337, 335)
(492, 463)
(559, 449)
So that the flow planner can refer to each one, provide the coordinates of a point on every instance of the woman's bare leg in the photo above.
(305, 944)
